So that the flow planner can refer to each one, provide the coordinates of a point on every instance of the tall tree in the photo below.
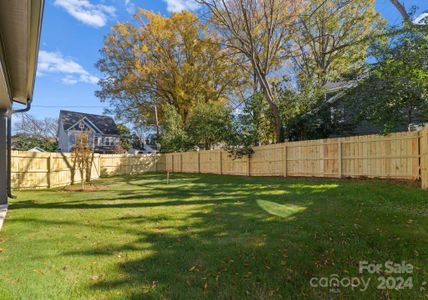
(174, 137)
(210, 124)
(158, 61)
(259, 30)
(334, 39)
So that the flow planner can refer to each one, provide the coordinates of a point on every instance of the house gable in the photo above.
(98, 123)
(86, 125)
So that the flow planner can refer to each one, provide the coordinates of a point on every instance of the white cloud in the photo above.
(55, 62)
(130, 6)
(180, 5)
(95, 15)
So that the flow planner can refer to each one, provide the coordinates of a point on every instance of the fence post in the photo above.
(199, 162)
(424, 158)
(49, 171)
(221, 162)
(181, 162)
(249, 165)
(323, 158)
(172, 162)
(99, 165)
(284, 157)
(339, 150)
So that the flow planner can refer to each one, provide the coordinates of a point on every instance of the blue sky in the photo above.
(72, 34)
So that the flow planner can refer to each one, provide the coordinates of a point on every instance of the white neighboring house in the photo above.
(103, 133)
(37, 149)
(422, 19)
(145, 150)
(417, 127)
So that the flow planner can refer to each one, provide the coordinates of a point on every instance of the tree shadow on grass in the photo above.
(181, 192)
(212, 237)
(262, 244)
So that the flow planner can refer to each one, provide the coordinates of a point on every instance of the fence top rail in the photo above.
(397, 136)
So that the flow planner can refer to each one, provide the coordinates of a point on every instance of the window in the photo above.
(108, 141)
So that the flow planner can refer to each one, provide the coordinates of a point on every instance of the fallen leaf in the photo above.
(95, 277)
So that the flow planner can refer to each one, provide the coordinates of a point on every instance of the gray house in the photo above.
(104, 137)
(337, 102)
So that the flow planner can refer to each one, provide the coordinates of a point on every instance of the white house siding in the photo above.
(62, 138)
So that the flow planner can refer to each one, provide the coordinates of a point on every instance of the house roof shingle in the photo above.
(105, 124)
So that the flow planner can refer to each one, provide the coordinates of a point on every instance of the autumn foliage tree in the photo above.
(157, 61)
(333, 40)
(331, 44)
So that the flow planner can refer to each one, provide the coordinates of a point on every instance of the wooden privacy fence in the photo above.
(394, 156)
(32, 170)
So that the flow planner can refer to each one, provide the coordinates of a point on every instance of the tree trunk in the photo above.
(277, 120)
(267, 91)
(157, 122)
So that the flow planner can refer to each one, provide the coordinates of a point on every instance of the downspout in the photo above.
(9, 147)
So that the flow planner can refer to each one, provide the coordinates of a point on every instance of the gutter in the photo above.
(9, 147)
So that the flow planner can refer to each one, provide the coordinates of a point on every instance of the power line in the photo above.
(69, 106)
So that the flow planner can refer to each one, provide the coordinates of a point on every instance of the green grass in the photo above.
(211, 237)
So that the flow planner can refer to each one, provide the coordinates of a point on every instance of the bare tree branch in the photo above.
(259, 31)
(401, 9)
(39, 128)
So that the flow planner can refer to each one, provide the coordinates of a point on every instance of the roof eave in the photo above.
(20, 28)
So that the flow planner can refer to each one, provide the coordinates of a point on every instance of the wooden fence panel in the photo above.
(61, 171)
(190, 162)
(168, 162)
(313, 158)
(160, 164)
(114, 164)
(234, 166)
(210, 162)
(267, 161)
(392, 156)
(31, 170)
(125, 164)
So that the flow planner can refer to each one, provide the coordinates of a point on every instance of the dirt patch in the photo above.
(87, 188)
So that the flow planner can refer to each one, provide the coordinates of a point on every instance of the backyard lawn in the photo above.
(214, 237)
